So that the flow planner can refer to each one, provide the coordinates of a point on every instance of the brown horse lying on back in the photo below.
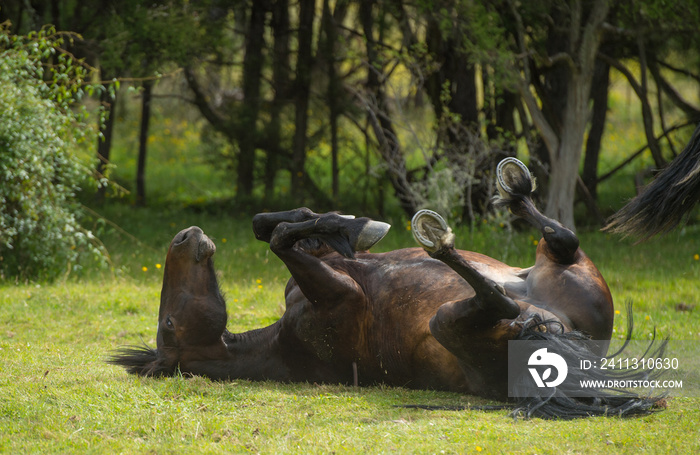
(435, 318)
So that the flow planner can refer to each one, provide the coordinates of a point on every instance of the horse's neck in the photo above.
(256, 354)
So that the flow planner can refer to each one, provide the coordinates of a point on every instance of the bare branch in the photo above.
(575, 26)
(591, 36)
(646, 108)
(546, 131)
(675, 97)
(200, 100)
(561, 57)
(683, 71)
(638, 152)
(520, 36)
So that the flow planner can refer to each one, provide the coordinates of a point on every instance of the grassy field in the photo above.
(58, 395)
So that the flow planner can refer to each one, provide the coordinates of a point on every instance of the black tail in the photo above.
(664, 202)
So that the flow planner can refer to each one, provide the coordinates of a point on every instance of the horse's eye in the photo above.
(169, 323)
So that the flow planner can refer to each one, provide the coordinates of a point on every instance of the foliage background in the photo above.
(59, 395)
(44, 161)
(389, 103)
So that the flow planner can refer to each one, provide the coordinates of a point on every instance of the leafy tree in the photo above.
(143, 39)
(291, 89)
(41, 164)
(565, 51)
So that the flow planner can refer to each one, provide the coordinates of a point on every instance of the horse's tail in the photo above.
(665, 201)
(601, 399)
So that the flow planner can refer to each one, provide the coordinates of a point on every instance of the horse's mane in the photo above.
(574, 347)
(141, 360)
(603, 401)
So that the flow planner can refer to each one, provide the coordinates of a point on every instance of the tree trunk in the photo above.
(551, 84)
(280, 78)
(302, 88)
(248, 117)
(462, 76)
(599, 95)
(334, 84)
(506, 103)
(143, 143)
(565, 161)
(565, 145)
(454, 68)
(380, 120)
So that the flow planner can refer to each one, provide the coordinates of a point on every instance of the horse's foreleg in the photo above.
(265, 223)
(342, 233)
(491, 295)
(320, 283)
(316, 277)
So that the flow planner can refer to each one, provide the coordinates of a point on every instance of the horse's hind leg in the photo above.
(431, 231)
(472, 329)
(515, 186)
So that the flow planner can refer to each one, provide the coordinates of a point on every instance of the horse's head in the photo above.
(192, 314)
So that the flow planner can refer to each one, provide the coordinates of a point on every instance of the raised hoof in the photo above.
(431, 231)
(372, 232)
(513, 179)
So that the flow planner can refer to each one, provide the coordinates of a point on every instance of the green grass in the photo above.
(59, 395)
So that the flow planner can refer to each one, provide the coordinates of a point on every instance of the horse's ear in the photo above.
(142, 361)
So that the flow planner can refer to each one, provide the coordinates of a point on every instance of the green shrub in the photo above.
(41, 161)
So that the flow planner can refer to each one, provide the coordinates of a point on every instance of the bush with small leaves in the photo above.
(43, 160)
